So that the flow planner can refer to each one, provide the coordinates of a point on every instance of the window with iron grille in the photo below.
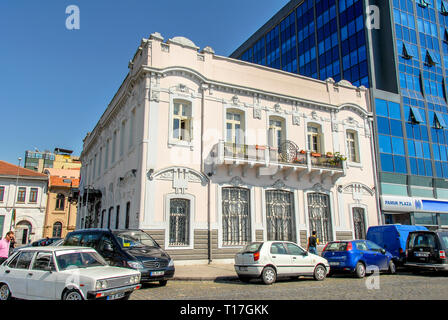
(280, 215)
(179, 222)
(359, 223)
(320, 216)
(57, 230)
(235, 216)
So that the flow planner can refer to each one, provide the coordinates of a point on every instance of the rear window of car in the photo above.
(253, 247)
(422, 240)
(336, 246)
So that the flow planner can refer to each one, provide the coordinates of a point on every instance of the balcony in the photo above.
(286, 160)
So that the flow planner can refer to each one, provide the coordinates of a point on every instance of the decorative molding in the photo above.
(296, 120)
(356, 189)
(279, 184)
(320, 188)
(257, 113)
(236, 182)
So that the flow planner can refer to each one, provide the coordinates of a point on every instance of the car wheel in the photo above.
(244, 279)
(360, 270)
(268, 275)
(5, 294)
(392, 267)
(72, 295)
(163, 283)
(320, 272)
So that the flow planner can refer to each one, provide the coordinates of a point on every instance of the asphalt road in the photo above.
(403, 286)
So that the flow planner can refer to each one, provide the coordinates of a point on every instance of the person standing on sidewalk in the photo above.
(313, 241)
(5, 245)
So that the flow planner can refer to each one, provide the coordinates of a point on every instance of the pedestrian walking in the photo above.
(5, 244)
(313, 241)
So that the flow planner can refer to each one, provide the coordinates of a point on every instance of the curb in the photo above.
(219, 278)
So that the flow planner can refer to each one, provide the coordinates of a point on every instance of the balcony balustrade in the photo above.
(288, 158)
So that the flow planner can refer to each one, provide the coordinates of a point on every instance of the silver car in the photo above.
(274, 259)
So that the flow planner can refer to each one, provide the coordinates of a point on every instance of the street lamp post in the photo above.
(13, 216)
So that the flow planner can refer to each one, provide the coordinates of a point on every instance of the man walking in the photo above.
(313, 241)
(5, 245)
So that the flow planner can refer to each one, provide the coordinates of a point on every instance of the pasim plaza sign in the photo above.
(409, 204)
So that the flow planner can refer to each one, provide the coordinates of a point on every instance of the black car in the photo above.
(127, 248)
(426, 250)
(37, 243)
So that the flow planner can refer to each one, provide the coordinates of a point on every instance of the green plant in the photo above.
(337, 158)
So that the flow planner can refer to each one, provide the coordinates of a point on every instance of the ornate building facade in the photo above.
(208, 153)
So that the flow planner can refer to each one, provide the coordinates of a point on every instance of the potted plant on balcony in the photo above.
(315, 154)
(330, 155)
(337, 159)
(302, 151)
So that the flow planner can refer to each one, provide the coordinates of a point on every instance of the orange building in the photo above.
(60, 217)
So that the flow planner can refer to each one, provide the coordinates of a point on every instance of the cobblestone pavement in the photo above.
(339, 287)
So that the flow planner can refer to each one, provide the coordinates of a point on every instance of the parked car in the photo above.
(358, 257)
(426, 250)
(67, 273)
(393, 238)
(127, 248)
(38, 243)
(275, 259)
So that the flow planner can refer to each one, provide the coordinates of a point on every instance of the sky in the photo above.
(55, 83)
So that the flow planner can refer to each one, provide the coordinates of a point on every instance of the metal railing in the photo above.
(262, 154)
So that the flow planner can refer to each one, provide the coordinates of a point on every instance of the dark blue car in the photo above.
(358, 257)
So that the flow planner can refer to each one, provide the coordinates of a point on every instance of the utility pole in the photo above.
(13, 215)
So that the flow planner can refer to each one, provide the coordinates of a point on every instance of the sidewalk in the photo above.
(205, 272)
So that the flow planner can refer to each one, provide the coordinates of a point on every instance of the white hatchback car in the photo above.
(274, 259)
(67, 273)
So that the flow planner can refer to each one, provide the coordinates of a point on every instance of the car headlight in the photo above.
(135, 264)
(101, 285)
(171, 263)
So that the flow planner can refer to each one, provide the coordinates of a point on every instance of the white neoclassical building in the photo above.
(25, 192)
(208, 153)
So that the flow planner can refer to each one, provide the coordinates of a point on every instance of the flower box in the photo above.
(260, 147)
(315, 154)
(302, 151)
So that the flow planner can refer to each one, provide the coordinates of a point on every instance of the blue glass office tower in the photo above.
(404, 63)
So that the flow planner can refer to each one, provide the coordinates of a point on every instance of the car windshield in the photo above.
(336, 246)
(75, 259)
(253, 247)
(131, 239)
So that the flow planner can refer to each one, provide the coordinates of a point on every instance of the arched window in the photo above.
(236, 216)
(179, 222)
(60, 201)
(320, 216)
(57, 230)
(280, 215)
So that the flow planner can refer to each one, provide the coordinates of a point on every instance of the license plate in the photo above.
(243, 268)
(157, 273)
(334, 263)
(421, 254)
(115, 296)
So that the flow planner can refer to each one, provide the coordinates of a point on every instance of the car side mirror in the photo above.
(306, 253)
(383, 251)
